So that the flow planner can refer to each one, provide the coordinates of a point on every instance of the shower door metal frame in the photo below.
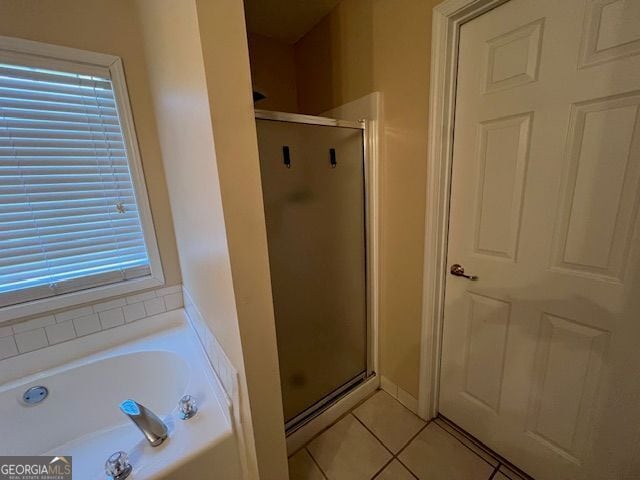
(371, 242)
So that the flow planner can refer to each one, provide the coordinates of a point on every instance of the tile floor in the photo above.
(382, 439)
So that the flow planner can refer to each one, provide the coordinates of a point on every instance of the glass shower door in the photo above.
(313, 187)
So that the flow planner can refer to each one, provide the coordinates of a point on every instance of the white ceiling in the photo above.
(286, 20)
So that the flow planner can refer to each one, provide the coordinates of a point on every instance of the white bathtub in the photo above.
(154, 361)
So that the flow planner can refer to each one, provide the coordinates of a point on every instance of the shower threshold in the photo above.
(320, 406)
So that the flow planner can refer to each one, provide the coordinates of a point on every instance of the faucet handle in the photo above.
(117, 466)
(188, 407)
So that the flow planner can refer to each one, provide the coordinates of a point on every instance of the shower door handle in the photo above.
(286, 156)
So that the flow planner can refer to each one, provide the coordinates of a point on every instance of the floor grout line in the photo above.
(316, 463)
(373, 434)
(397, 456)
(382, 468)
(407, 468)
(378, 472)
(394, 456)
(412, 438)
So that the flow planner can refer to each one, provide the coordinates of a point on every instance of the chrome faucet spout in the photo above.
(153, 429)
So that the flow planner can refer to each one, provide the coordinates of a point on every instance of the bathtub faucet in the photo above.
(153, 429)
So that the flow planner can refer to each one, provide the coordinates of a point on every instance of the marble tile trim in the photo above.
(65, 325)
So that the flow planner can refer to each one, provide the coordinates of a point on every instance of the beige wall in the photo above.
(224, 43)
(380, 45)
(178, 87)
(223, 254)
(199, 70)
(335, 60)
(273, 73)
(106, 26)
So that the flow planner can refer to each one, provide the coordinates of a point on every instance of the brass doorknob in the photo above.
(458, 271)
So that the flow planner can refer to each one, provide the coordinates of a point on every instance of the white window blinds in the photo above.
(68, 214)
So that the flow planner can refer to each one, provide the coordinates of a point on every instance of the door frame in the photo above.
(448, 17)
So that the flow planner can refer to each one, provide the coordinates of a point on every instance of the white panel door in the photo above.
(541, 355)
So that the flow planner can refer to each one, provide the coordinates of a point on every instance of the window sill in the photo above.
(73, 299)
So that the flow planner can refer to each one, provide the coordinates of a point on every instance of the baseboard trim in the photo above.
(404, 397)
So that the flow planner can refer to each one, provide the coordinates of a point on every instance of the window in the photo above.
(73, 207)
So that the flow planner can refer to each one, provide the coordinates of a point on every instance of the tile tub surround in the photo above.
(221, 364)
(224, 370)
(47, 330)
(381, 439)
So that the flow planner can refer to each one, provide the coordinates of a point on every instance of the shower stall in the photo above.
(314, 181)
